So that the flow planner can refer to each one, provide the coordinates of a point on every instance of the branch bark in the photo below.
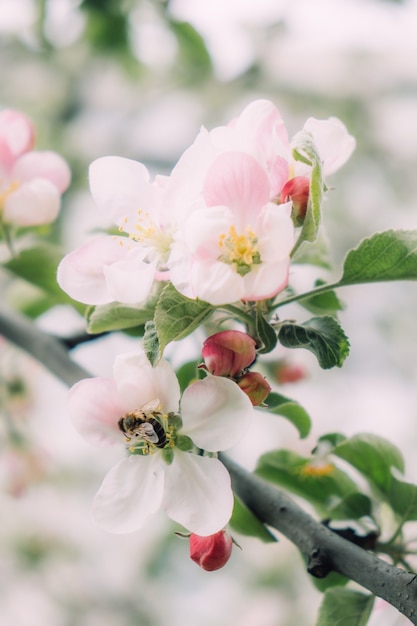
(323, 549)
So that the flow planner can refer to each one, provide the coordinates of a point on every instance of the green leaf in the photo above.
(117, 316)
(177, 316)
(354, 506)
(266, 333)
(294, 412)
(305, 151)
(315, 253)
(345, 607)
(327, 302)
(390, 255)
(195, 61)
(296, 473)
(402, 497)
(187, 373)
(151, 343)
(38, 265)
(321, 335)
(243, 521)
(373, 456)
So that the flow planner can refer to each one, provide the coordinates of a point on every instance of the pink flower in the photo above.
(236, 246)
(212, 552)
(229, 352)
(31, 182)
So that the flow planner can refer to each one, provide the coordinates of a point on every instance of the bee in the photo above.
(142, 424)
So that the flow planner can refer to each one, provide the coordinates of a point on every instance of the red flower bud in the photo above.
(289, 372)
(255, 386)
(297, 190)
(211, 552)
(228, 353)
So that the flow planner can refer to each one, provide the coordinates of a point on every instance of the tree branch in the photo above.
(44, 348)
(324, 550)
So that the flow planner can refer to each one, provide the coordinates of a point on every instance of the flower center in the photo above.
(148, 233)
(240, 249)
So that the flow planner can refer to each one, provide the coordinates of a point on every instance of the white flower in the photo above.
(141, 404)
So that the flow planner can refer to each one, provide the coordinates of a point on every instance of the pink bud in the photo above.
(17, 136)
(211, 552)
(289, 372)
(297, 190)
(255, 386)
(228, 353)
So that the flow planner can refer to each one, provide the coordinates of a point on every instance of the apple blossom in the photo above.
(140, 408)
(31, 182)
(212, 552)
(237, 244)
(123, 268)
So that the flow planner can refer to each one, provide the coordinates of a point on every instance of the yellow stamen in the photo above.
(239, 249)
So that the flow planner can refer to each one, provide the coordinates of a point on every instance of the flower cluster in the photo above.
(31, 182)
(221, 227)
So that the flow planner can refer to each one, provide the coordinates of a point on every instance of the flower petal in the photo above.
(236, 180)
(95, 409)
(130, 280)
(130, 494)
(81, 272)
(198, 494)
(45, 164)
(35, 202)
(333, 142)
(119, 186)
(215, 413)
(17, 135)
(139, 383)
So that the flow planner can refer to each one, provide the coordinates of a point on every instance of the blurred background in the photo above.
(137, 78)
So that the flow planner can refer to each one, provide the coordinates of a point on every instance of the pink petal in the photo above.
(95, 409)
(48, 165)
(198, 494)
(130, 494)
(17, 135)
(33, 203)
(236, 180)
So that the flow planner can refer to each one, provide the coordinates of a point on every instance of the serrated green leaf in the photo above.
(294, 412)
(321, 335)
(373, 456)
(305, 150)
(297, 474)
(243, 521)
(117, 316)
(177, 316)
(345, 607)
(266, 334)
(390, 255)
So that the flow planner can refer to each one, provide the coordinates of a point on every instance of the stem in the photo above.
(236, 312)
(308, 294)
(320, 545)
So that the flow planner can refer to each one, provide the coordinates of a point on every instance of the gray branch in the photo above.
(323, 549)
(44, 348)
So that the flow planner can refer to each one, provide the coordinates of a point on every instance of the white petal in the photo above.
(119, 186)
(35, 202)
(95, 409)
(215, 413)
(130, 494)
(139, 383)
(130, 280)
(333, 142)
(198, 494)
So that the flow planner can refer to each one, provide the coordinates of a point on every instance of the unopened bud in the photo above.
(228, 353)
(289, 372)
(255, 386)
(297, 190)
(211, 552)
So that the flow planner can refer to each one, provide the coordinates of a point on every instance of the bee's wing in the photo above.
(147, 432)
(151, 407)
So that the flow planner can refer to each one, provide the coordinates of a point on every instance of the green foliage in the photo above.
(323, 303)
(265, 333)
(299, 475)
(294, 412)
(194, 59)
(243, 521)
(321, 335)
(117, 316)
(345, 607)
